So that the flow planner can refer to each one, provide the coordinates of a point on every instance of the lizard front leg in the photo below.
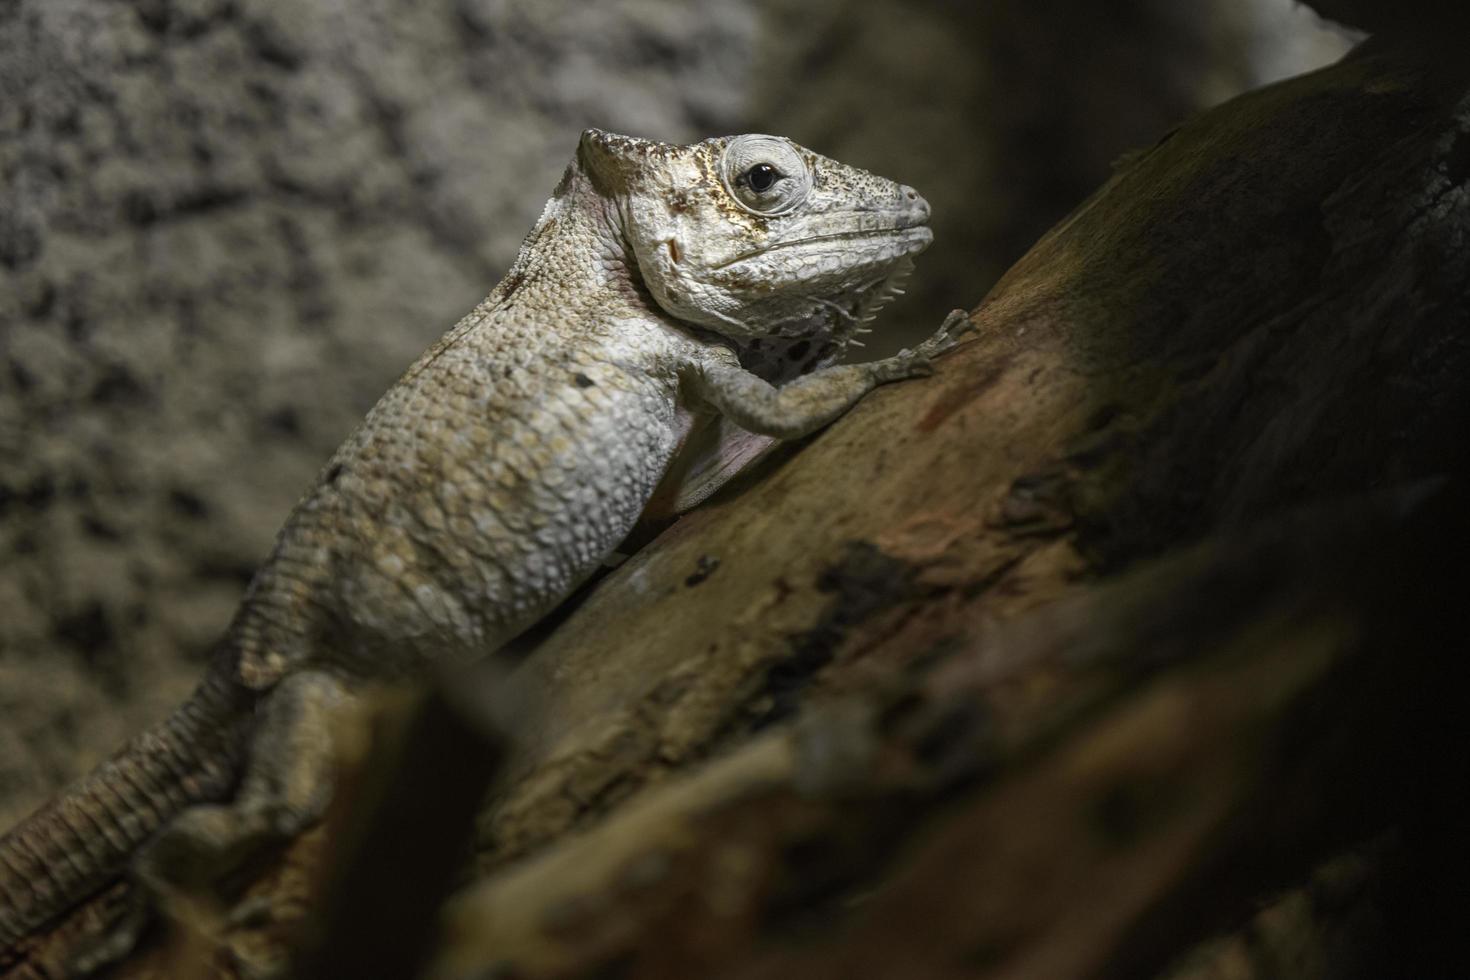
(811, 401)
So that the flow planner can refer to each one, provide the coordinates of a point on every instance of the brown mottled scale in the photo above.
(669, 296)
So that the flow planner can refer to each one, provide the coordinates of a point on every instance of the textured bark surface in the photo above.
(1060, 661)
(1075, 793)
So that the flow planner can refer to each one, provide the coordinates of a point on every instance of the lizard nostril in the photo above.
(918, 204)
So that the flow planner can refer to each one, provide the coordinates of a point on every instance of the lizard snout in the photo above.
(918, 208)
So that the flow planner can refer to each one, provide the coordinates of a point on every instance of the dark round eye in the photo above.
(762, 177)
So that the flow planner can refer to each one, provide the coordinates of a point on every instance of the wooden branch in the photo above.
(1075, 793)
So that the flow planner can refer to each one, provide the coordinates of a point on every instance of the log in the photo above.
(1078, 792)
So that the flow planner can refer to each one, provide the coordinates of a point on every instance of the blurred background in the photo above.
(227, 225)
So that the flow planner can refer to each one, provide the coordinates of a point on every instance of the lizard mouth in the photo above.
(909, 232)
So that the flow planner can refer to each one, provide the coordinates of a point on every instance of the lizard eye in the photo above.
(765, 175)
(760, 177)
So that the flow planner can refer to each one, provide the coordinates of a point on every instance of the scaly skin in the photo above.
(662, 285)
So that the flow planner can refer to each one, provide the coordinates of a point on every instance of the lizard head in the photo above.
(783, 251)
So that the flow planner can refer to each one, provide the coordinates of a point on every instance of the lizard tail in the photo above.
(77, 843)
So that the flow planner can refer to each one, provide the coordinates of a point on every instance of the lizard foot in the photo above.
(176, 872)
(956, 324)
(114, 941)
(204, 845)
(919, 362)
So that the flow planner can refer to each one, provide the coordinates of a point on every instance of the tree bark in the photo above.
(1053, 663)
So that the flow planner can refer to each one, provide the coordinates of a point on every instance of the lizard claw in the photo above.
(919, 362)
(947, 337)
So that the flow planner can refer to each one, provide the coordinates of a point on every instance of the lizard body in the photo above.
(663, 285)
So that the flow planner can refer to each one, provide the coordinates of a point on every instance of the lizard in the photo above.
(665, 291)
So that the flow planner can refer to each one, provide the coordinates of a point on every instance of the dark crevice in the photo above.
(863, 583)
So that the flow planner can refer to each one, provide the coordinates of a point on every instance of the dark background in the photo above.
(226, 225)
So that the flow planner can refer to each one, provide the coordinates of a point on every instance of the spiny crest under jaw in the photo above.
(821, 336)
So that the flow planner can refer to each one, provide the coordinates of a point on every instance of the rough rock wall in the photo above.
(226, 225)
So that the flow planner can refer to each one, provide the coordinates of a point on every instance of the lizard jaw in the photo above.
(915, 238)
